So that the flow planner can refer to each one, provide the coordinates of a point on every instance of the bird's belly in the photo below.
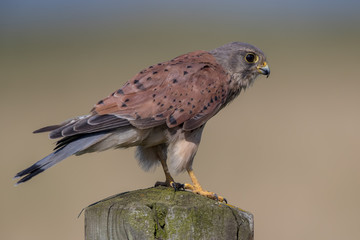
(155, 136)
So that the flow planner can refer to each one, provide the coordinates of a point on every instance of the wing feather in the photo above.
(84, 124)
(188, 90)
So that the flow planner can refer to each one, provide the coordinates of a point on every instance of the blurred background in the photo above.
(286, 150)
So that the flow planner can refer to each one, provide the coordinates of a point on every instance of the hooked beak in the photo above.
(264, 69)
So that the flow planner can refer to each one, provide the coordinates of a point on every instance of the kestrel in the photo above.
(162, 111)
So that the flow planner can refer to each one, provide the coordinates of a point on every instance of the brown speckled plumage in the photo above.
(186, 90)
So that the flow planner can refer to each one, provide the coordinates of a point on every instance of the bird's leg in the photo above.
(196, 188)
(169, 181)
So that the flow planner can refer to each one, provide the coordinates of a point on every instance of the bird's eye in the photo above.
(251, 58)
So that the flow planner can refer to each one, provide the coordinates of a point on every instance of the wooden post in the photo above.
(162, 213)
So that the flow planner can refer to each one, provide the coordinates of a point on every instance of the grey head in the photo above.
(243, 61)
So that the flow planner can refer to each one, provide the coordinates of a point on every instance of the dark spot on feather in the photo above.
(193, 106)
(174, 80)
(100, 102)
(161, 105)
(190, 112)
(120, 91)
(189, 103)
(113, 94)
(185, 72)
(165, 97)
(123, 105)
(171, 106)
(155, 72)
(154, 95)
(159, 64)
(206, 66)
(149, 78)
(174, 100)
(140, 86)
(211, 100)
(160, 115)
(136, 81)
(172, 120)
(208, 104)
(166, 70)
(189, 66)
(126, 100)
(216, 98)
(179, 101)
(181, 109)
(141, 72)
(158, 103)
(191, 99)
(151, 66)
(204, 108)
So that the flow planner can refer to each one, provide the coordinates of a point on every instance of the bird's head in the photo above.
(244, 62)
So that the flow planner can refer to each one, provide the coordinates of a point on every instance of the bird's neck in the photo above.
(235, 87)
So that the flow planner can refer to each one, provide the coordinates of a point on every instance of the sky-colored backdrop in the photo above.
(286, 150)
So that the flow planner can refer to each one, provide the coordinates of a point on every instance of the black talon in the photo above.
(225, 200)
(216, 197)
(178, 186)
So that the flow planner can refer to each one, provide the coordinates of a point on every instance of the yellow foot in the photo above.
(200, 191)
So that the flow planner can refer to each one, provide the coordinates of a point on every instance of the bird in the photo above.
(162, 111)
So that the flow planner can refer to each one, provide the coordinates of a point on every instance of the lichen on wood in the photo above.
(162, 213)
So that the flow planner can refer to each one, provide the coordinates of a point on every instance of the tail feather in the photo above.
(71, 148)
